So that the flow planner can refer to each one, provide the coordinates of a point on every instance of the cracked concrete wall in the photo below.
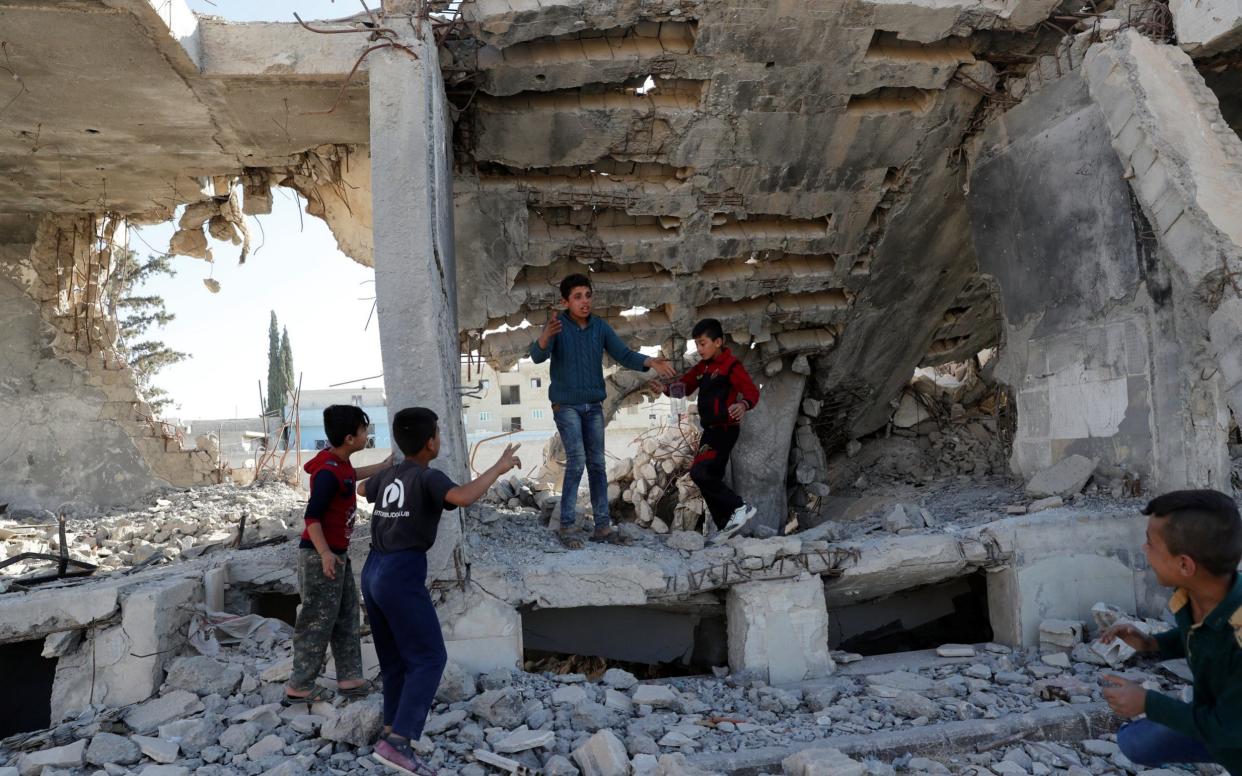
(61, 443)
(1104, 358)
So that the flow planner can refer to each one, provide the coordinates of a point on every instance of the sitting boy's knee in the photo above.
(1136, 744)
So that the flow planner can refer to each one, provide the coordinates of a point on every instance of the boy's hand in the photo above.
(1127, 698)
(330, 561)
(656, 387)
(737, 410)
(1130, 635)
(662, 366)
(550, 330)
(508, 459)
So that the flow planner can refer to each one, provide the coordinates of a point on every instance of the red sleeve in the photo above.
(741, 382)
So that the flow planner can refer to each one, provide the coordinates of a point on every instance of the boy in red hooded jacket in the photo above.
(329, 613)
(726, 393)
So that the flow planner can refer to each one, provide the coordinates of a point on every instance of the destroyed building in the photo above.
(857, 189)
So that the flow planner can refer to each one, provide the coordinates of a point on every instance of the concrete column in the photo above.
(415, 284)
(779, 629)
(760, 462)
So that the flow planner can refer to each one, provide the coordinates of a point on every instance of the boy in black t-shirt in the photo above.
(409, 499)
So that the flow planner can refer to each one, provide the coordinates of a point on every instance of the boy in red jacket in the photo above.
(329, 613)
(726, 393)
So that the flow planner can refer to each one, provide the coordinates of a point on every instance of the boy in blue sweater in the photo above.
(575, 340)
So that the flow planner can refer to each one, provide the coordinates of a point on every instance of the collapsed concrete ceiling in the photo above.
(113, 105)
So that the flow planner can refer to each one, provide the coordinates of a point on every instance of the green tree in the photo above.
(276, 386)
(286, 363)
(135, 315)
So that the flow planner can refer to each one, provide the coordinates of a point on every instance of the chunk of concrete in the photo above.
(909, 412)
(204, 675)
(157, 749)
(691, 541)
(524, 738)
(779, 629)
(1207, 27)
(822, 762)
(501, 708)
(1064, 478)
(1060, 635)
(147, 717)
(657, 696)
(455, 685)
(106, 748)
(68, 756)
(358, 724)
(603, 754)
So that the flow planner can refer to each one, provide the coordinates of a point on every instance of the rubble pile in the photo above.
(949, 421)
(178, 524)
(220, 714)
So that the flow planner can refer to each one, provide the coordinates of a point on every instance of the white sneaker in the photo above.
(737, 521)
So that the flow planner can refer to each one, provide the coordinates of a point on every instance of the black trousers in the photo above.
(708, 470)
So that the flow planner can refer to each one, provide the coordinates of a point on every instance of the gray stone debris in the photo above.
(357, 724)
(1064, 478)
(204, 675)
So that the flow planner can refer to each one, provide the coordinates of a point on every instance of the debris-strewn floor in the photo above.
(221, 715)
(176, 525)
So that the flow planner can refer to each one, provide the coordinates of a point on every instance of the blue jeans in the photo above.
(407, 635)
(582, 431)
(1152, 744)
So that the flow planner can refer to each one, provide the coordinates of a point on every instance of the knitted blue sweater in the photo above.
(577, 359)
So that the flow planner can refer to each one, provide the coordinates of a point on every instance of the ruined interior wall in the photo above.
(76, 427)
(1096, 345)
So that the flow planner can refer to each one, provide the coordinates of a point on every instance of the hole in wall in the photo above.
(92, 131)
(685, 640)
(281, 606)
(27, 675)
(952, 612)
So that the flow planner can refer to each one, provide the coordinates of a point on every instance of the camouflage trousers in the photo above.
(329, 616)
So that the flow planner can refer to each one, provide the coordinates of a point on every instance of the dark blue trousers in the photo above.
(407, 635)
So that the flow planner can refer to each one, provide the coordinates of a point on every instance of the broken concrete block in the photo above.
(110, 748)
(61, 643)
(357, 724)
(68, 756)
(619, 678)
(190, 242)
(691, 541)
(901, 680)
(899, 519)
(1060, 635)
(657, 696)
(1064, 478)
(147, 717)
(955, 650)
(910, 412)
(502, 708)
(779, 629)
(266, 747)
(524, 738)
(822, 762)
(157, 749)
(1052, 502)
(602, 755)
(193, 735)
(204, 676)
(571, 695)
(1207, 27)
(455, 685)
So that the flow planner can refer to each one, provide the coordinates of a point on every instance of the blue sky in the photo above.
(316, 291)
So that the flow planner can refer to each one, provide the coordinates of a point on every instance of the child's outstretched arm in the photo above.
(631, 359)
(465, 495)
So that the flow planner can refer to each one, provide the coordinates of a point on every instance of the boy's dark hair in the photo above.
(709, 326)
(413, 428)
(1203, 524)
(341, 420)
(573, 281)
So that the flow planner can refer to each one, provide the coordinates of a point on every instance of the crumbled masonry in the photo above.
(981, 258)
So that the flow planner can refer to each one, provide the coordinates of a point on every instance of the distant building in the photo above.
(372, 401)
(242, 440)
